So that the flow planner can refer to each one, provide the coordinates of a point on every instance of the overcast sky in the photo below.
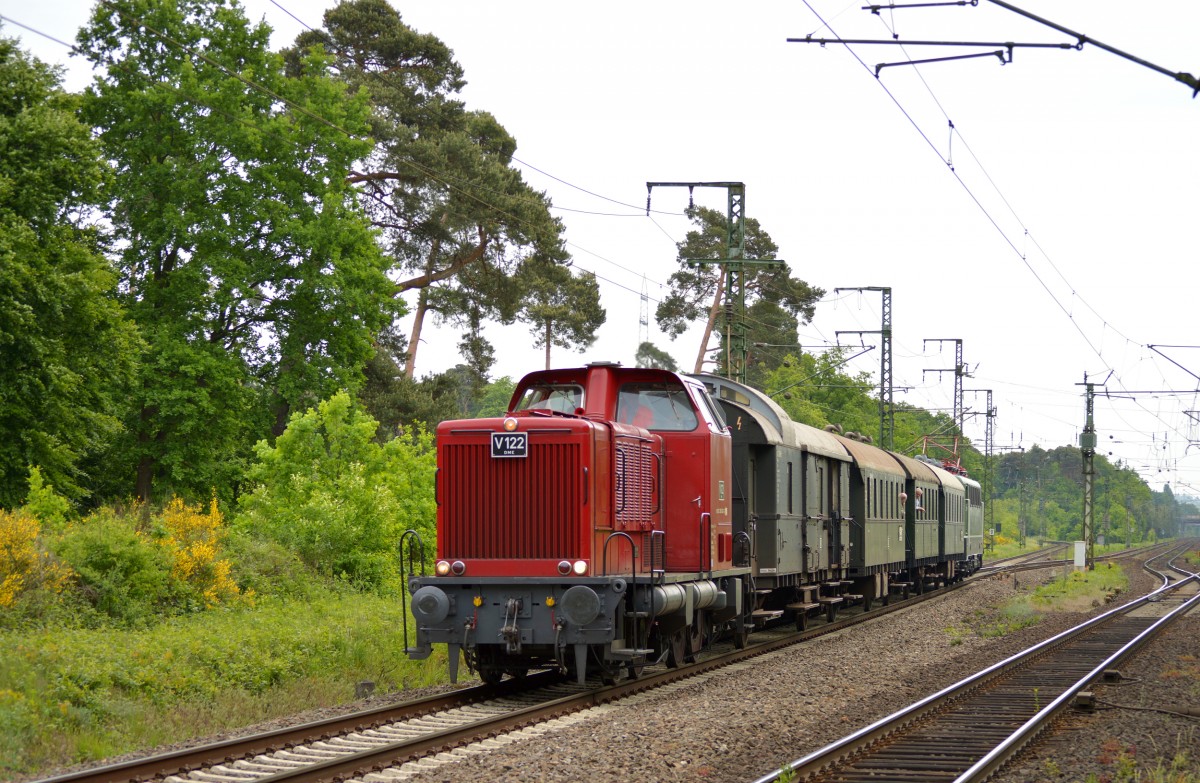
(1042, 211)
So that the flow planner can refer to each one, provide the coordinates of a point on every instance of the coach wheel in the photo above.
(490, 674)
(517, 672)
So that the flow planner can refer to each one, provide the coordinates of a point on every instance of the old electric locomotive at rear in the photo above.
(616, 517)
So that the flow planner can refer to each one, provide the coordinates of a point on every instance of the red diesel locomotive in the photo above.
(617, 517)
(589, 528)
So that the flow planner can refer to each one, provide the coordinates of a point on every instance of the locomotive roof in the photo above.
(775, 423)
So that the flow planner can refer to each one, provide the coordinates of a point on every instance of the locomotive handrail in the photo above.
(706, 535)
(657, 494)
(632, 551)
(632, 594)
(410, 536)
(749, 544)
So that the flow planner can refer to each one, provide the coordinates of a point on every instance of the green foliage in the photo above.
(43, 503)
(1048, 485)
(776, 302)
(123, 573)
(1080, 589)
(649, 355)
(562, 309)
(66, 350)
(461, 253)
(255, 279)
(331, 493)
(79, 695)
(495, 398)
(814, 391)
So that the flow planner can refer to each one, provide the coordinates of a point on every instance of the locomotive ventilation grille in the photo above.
(511, 508)
(635, 484)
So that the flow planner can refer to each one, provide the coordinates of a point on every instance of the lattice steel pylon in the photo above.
(887, 411)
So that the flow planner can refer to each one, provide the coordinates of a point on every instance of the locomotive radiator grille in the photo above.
(512, 508)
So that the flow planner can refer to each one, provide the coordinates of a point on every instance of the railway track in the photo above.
(376, 739)
(967, 731)
(388, 738)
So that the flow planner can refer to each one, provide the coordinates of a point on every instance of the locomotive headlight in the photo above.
(458, 567)
(564, 567)
(580, 568)
(442, 568)
(510, 424)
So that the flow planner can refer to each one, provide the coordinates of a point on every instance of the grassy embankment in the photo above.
(1074, 591)
(75, 695)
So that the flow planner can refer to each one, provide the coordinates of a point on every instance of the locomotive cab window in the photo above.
(656, 406)
(559, 397)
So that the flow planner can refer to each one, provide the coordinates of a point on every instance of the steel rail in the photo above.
(1018, 740)
(832, 754)
(180, 762)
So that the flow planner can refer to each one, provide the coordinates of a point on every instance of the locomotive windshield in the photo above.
(656, 406)
(559, 397)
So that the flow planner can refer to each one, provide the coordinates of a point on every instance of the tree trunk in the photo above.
(712, 320)
(410, 361)
(144, 480)
(547, 343)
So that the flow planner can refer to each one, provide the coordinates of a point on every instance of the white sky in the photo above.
(1062, 242)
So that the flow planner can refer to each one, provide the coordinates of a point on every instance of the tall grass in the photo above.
(73, 695)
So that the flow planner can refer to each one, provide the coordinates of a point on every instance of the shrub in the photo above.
(43, 503)
(122, 572)
(193, 541)
(341, 500)
(25, 566)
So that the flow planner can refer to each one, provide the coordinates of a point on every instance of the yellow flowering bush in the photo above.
(193, 540)
(24, 564)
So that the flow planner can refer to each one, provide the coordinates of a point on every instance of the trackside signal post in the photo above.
(1087, 444)
(734, 264)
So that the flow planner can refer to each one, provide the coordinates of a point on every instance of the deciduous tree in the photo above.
(253, 275)
(66, 351)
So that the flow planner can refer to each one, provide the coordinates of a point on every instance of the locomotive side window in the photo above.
(656, 406)
(711, 413)
(563, 398)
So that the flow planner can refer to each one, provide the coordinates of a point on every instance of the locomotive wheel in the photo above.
(490, 674)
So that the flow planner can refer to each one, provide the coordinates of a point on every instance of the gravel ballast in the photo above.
(740, 723)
